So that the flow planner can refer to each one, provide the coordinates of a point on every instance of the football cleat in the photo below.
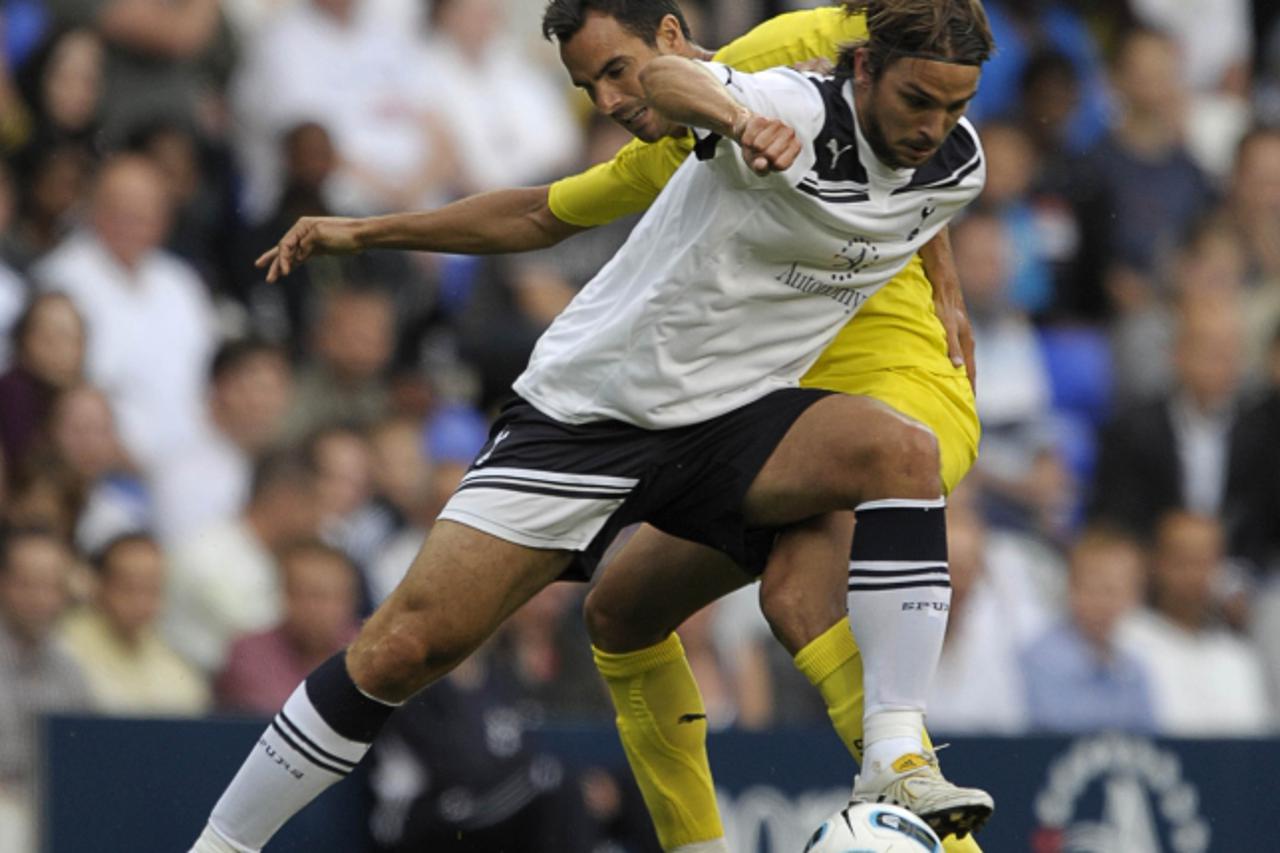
(915, 782)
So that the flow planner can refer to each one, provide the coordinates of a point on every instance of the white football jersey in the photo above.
(732, 284)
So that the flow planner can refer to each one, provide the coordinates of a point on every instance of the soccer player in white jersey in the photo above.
(666, 393)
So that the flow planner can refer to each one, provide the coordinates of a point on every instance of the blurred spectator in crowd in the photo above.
(82, 432)
(129, 668)
(1252, 511)
(44, 492)
(281, 310)
(1215, 71)
(994, 613)
(320, 598)
(1206, 681)
(152, 326)
(543, 647)
(1077, 676)
(1208, 265)
(414, 480)
(386, 535)
(48, 346)
(62, 84)
(507, 120)
(199, 184)
(37, 676)
(1049, 92)
(1021, 27)
(1220, 63)
(50, 194)
(345, 383)
(1173, 452)
(154, 52)
(1253, 208)
(349, 66)
(14, 117)
(1266, 94)
(1139, 189)
(13, 289)
(1011, 168)
(1024, 483)
(453, 770)
(226, 581)
(207, 480)
(344, 481)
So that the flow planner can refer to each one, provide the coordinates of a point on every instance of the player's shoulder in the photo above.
(793, 37)
(652, 159)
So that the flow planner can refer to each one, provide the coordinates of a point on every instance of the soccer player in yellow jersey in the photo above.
(907, 347)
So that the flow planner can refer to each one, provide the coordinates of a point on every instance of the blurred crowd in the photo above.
(206, 480)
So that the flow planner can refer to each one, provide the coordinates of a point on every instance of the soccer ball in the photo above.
(873, 828)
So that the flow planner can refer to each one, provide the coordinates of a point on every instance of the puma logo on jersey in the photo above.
(837, 151)
(497, 439)
(690, 718)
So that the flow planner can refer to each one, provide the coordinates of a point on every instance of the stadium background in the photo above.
(286, 446)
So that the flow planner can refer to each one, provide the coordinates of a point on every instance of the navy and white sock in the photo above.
(899, 599)
(321, 734)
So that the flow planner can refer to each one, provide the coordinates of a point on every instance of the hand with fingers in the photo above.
(955, 321)
(768, 144)
(310, 235)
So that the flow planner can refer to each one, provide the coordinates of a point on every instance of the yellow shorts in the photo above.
(942, 402)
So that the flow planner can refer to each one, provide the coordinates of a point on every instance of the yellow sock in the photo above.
(663, 726)
(833, 664)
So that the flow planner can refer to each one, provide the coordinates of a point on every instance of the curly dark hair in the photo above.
(944, 30)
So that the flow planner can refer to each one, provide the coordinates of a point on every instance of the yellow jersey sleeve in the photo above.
(637, 173)
(624, 185)
(794, 37)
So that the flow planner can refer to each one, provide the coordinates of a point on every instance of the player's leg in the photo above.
(461, 586)
(654, 585)
(886, 468)
(802, 595)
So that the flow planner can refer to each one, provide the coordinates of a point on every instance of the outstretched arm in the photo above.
(690, 94)
(948, 302)
(513, 220)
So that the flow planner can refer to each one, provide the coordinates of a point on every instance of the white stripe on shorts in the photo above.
(538, 509)
(597, 482)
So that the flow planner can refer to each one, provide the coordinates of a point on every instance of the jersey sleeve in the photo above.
(779, 93)
(619, 187)
(794, 37)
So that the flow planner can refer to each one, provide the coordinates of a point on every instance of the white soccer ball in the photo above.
(873, 828)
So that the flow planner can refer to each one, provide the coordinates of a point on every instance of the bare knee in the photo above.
(402, 651)
(798, 611)
(617, 626)
(906, 463)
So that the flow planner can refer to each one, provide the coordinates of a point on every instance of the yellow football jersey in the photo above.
(894, 348)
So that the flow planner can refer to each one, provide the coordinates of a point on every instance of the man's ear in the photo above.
(862, 68)
(670, 36)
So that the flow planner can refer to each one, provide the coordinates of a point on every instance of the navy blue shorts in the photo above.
(546, 484)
